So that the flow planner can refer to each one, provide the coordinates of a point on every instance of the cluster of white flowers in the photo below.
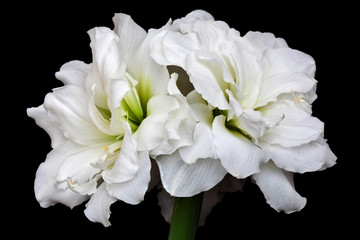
(122, 117)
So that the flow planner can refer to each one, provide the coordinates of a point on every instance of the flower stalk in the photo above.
(185, 218)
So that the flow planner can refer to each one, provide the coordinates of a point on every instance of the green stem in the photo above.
(185, 218)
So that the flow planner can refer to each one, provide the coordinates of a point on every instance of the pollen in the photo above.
(72, 183)
(106, 148)
(298, 99)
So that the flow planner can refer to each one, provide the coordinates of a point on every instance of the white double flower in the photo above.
(253, 95)
(107, 121)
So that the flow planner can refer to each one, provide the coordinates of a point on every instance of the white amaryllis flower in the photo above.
(107, 121)
(253, 97)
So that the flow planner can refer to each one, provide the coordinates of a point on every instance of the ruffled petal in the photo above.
(42, 119)
(287, 60)
(107, 56)
(239, 156)
(98, 207)
(203, 145)
(108, 63)
(79, 162)
(181, 49)
(264, 41)
(152, 78)
(281, 83)
(131, 34)
(98, 118)
(298, 127)
(133, 190)
(152, 132)
(248, 120)
(304, 158)
(127, 164)
(330, 159)
(184, 180)
(195, 15)
(118, 89)
(47, 192)
(68, 106)
(179, 128)
(247, 72)
(74, 73)
(278, 188)
(174, 46)
(206, 75)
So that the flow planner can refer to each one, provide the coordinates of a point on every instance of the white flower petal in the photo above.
(127, 163)
(264, 41)
(174, 47)
(304, 158)
(194, 98)
(196, 15)
(213, 34)
(46, 191)
(42, 119)
(172, 87)
(239, 156)
(182, 50)
(247, 72)
(202, 146)
(73, 73)
(179, 128)
(94, 84)
(278, 188)
(131, 34)
(152, 78)
(330, 159)
(206, 76)
(133, 190)
(69, 107)
(297, 128)
(151, 132)
(82, 184)
(277, 84)
(287, 60)
(118, 90)
(184, 180)
(98, 207)
(80, 161)
(98, 119)
(107, 58)
(248, 120)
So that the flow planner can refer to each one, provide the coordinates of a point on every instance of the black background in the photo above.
(38, 38)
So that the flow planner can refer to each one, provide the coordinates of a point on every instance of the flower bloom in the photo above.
(106, 122)
(253, 97)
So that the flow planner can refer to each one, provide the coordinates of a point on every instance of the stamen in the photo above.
(298, 99)
(71, 182)
(109, 156)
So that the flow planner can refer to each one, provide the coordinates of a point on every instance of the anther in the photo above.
(298, 99)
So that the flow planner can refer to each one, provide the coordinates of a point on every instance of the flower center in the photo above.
(131, 106)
